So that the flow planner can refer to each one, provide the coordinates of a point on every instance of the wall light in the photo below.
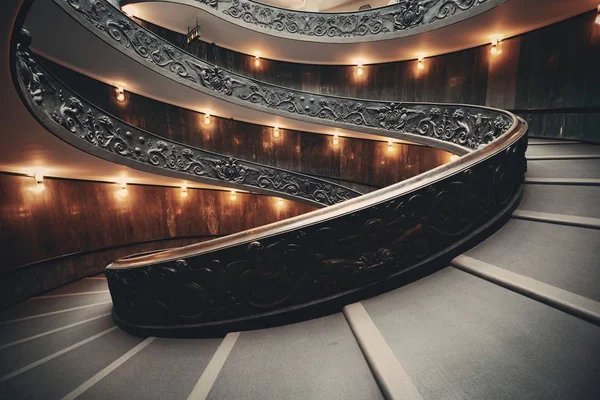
(390, 145)
(276, 133)
(39, 182)
(120, 94)
(206, 119)
(420, 64)
(495, 49)
(359, 70)
(454, 157)
(336, 140)
(184, 191)
(233, 195)
(280, 202)
(123, 190)
(598, 16)
(256, 61)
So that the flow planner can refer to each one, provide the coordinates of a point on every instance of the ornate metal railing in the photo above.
(324, 257)
(80, 123)
(454, 128)
(375, 24)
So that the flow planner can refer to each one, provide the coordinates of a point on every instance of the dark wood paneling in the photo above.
(74, 216)
(299, 151)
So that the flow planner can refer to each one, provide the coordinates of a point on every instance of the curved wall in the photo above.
(363, 165)
(72, 216)
(548, 76)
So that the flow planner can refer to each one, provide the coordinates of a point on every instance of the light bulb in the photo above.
(336, 140)
(276, 132)
(280, 202)
(390, 145)
(207, 119)
(233, 195)
(39, 183)
(420, 64)
(454, 157)
(123, 190)
(184, 191)
(120, 94)
(495, 50)
(256, 61)
(359, 69)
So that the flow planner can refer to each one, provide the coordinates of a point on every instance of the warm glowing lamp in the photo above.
(495, 50)
(123, 190)
(184, 191)
(420, 64)
(120, 94)
(256, 61)
(233, 195)
(359, 70)
(207, 119)
(280, 202)
(598, 16)
(276, 133)
(454, 157)
(390, 145)
(39, 182)
(336, 140)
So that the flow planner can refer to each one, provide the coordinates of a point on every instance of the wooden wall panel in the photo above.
(73, 216)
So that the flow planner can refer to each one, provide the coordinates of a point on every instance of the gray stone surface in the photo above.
(563, 169)
(166, 369)
(58, 377)
(19, 330)
(562, 256)
(583, 201)
(317, 359)
(18, 356)
(563, 150)
(460, 337)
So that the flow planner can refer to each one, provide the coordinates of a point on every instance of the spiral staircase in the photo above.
(474, 280)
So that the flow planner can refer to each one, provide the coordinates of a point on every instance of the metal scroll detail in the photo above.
(402, 16)
(469, 127)
(320, 260)
(89, 124)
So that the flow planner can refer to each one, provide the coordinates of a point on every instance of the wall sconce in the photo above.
(420, 64)
(276, 133)
(390, 145)
(206, 119)
(336, 140)
(184, 191)
(257, 61)
(359, 70)
(39, 182)
(454, 157)
(123, 190)
(233, 195)
(598, 16)
(120, 94)
(495, 50)
(280, 202)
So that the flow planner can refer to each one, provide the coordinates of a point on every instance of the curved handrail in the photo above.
(82, 124)
(396, 20)
(456, 128)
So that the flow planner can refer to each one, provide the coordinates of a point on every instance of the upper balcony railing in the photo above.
(395, 20)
